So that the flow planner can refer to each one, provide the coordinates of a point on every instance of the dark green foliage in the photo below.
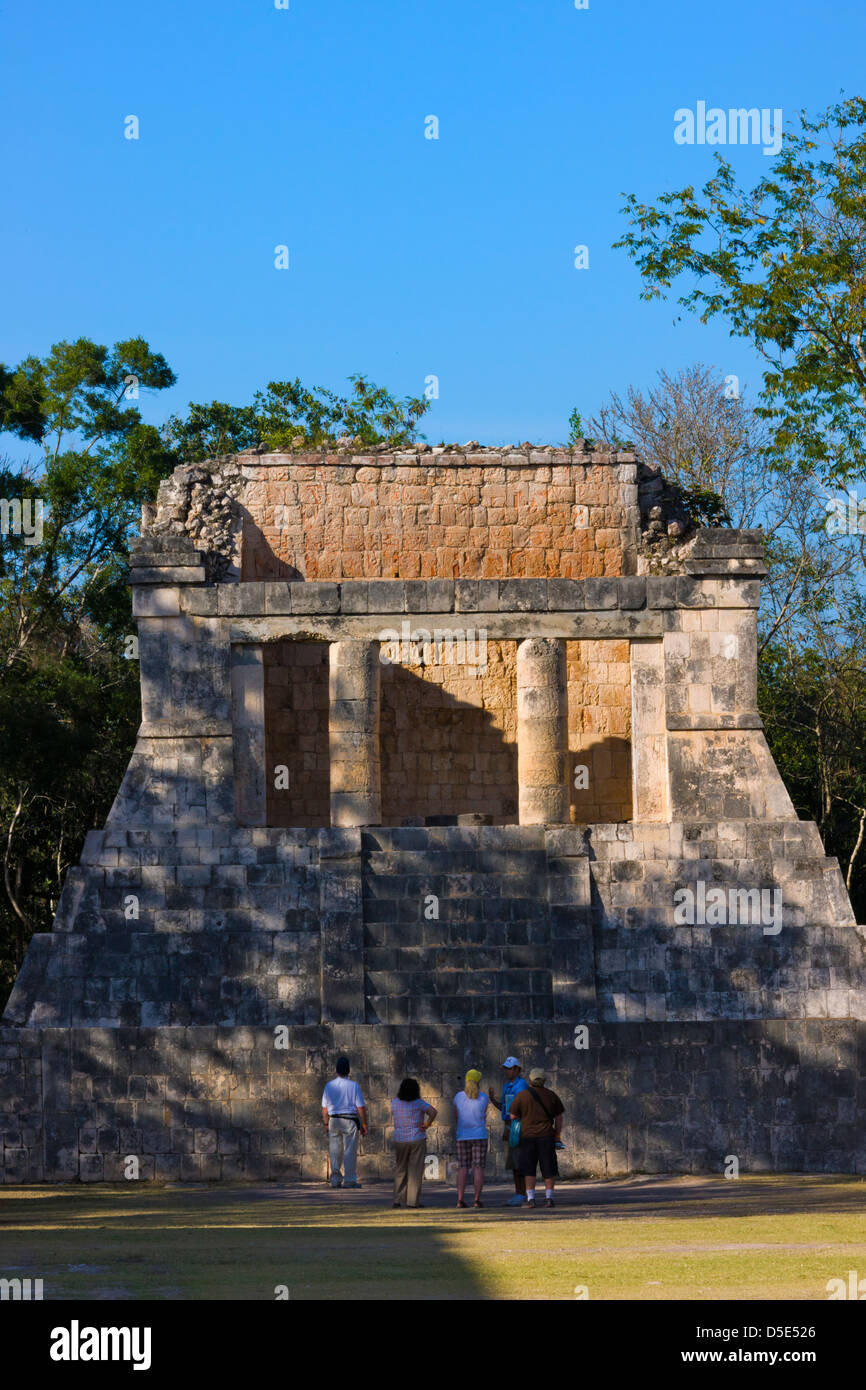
(288, 415)
(783, 263)
(69, 701)
(814, 708)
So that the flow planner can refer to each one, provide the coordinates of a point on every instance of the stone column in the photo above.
(542, 731)
(248, 727)
(353, 730)
(649, 736)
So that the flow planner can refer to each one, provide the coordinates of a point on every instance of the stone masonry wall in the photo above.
(296, 732)
(599, 729)
(226, 1103)
(437, 514)
(448, 736)
(205, 967)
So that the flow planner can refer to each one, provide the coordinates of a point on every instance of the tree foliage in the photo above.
(784, 264)
(289, 415)
(69, 700)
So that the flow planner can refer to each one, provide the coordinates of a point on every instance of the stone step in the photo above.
(450, 958)
(456, 1009)
(414, 888)
(474, 932)
(153, 855)
(453, 837)
(484, 861)
(468, 983)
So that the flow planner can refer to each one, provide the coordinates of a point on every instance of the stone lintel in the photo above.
(681, 722)
(498, 626)
(168, 574)
(713, 585)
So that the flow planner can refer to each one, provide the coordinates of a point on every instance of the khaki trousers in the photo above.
(343, 1137)
(410, 1172)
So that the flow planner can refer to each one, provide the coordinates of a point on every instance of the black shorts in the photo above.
(532, 1153)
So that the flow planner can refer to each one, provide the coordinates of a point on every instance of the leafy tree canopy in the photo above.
(784, 263)
(288, 415)
(99, 461)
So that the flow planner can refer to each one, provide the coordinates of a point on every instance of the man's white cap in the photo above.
(511, 1062)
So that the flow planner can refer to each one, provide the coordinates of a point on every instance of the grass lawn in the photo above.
(638, 1238)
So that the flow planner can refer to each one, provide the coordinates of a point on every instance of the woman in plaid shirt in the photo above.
(412, 1118)
(471, 1105)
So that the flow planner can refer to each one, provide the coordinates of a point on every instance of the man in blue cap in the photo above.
(514, 1084)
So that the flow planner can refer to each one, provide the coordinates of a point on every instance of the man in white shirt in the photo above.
(344, 1115)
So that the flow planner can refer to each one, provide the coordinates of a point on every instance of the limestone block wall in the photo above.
(183, 926)
(194, 1104)
(800, 956)
(446, 924)
(599, 729)
(426, 513)
(296, 733)
(448, 734)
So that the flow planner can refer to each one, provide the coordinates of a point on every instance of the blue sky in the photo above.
(409, 257)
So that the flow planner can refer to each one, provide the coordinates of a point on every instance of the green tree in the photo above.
(69, 701)
(290, 415)
(784, 264)
(575, 427)
(813, 702)
(98, 463)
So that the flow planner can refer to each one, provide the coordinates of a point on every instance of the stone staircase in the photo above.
(456, 925)
(223, 926)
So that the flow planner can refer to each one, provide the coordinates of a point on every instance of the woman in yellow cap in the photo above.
(471, 1105)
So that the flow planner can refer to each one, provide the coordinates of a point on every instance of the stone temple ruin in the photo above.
(444, 755)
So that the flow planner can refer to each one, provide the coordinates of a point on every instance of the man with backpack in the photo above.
(514, 1084)
(540, 1113)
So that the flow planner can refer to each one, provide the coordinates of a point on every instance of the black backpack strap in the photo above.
(536, 1096)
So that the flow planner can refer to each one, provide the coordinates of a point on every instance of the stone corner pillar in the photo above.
(649, 735)
(353, 733)
(542, 732)
(248, 734)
